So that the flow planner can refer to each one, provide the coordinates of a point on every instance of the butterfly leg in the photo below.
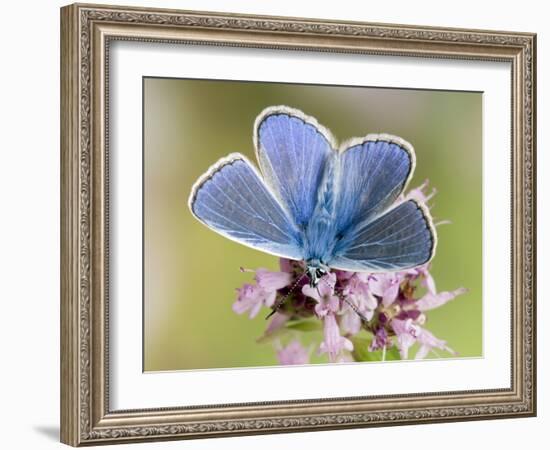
(350, 304)
(355, 309)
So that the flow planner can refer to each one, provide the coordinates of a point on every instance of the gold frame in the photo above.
(86, 31)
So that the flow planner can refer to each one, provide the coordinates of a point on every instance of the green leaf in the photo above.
(361, 351)
(264, 338)
(392, 354)
(304, 325)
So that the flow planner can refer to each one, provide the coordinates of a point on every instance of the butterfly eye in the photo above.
(315, 274)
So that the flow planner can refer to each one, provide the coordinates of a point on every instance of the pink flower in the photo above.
(428, 342)
(380, 340)
(263, 293)
(385, 305)
(350, 322)
(432, 300)
(327, 302)
(343, 275)
(252, 298)
(419, 195)
(386, 286)
(272, 281)
(357, 292)
(291, 266)
(406, 332)
(333, 342)
(423, 272)
(276, 323)
(286, 265)
(293, 353)
(428, 279)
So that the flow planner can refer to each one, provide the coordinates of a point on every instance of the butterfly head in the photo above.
(315, 270)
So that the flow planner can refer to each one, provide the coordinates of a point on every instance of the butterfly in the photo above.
(332, 207)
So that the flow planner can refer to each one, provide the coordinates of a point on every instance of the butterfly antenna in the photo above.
(280, 302)
(354, 308)
(347, 302)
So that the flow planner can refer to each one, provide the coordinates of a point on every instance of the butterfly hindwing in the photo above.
(233, 200)
(402, 238)
(292, 151)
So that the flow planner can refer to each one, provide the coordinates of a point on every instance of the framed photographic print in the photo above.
(277, 224)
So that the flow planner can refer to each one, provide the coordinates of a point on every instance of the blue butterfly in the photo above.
(331, 207)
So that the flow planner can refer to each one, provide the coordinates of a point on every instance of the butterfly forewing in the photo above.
(292, 150)
(233, 200)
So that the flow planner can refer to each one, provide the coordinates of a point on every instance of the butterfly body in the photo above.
(331, 207)
(319, 234)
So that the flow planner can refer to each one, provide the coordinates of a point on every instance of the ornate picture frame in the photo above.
(87, 31)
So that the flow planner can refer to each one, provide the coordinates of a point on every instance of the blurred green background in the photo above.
(190, 272)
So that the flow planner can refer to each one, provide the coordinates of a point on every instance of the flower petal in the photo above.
(286, 265)
(277, 321)
(251, 298)
(427, 342)
(293, 353)
(386, 285)
(255, 309)
(380, 340)
(333, 342)
(326, 285)
(350, 322)
(431, 301)
(247, 297)
(272, 281)
(419, 195)
(429, 282)
(407, 334)
(390, 294)
(312, 292)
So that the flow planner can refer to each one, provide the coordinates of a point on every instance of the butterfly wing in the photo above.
(402, 238)
(232, 200)
(372, 234)
(373, 172)
(292, 150)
